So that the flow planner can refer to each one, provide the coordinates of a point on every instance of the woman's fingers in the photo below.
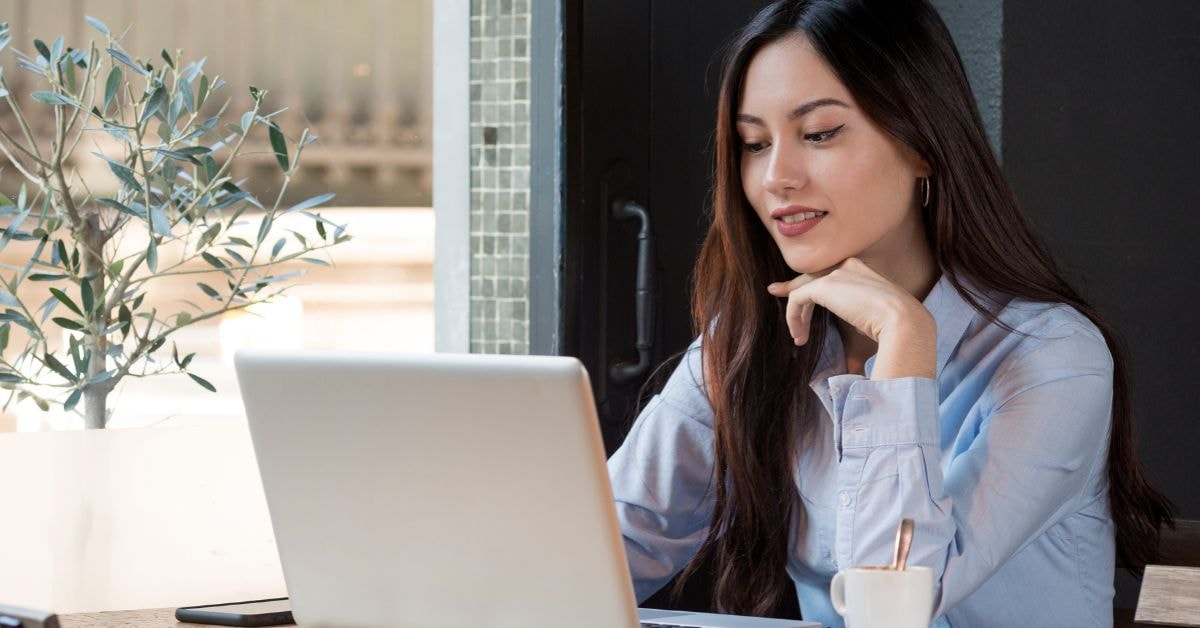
(799, 317)
(799, 307)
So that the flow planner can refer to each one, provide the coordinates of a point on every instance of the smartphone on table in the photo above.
(272, 612)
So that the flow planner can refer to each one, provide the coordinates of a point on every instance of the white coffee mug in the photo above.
(873, 597)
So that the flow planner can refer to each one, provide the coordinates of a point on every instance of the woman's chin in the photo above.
(808, 266)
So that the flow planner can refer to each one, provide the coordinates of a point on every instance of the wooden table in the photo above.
(148, 618)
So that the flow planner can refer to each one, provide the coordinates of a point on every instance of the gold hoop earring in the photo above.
(925, 191)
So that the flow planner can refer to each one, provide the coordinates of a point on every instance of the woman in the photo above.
(883, 336)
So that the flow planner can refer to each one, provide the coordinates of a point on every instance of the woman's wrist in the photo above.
(908, 346)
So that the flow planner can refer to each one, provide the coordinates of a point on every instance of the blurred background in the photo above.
(358, 74)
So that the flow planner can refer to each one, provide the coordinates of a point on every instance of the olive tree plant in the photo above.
(76, 319)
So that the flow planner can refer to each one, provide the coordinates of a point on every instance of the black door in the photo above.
(641, 85)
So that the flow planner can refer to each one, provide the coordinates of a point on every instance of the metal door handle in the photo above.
(623, 372)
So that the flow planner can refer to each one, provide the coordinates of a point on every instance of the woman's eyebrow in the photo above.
(798, 112)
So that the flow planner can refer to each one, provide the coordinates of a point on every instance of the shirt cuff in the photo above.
(876, 413)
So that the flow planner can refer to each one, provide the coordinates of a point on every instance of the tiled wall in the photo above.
(500, 176)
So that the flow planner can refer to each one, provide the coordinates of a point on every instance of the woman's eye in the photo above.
(753, 147)
(820, 137)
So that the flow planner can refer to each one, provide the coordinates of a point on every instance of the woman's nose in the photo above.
(784, 173)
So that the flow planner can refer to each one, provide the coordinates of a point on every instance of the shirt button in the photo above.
(844, 498)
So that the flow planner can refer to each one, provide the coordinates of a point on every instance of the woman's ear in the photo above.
(920, 167)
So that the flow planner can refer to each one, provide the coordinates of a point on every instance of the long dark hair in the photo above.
(897, 59)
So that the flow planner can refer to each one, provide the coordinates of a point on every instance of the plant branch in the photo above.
(13, 160)
(20, 116)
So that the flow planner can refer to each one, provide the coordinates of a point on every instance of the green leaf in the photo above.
(14, 228)
(184, 94)
(209, 291)
(182, 318)
(87, 296)
(152, 257)
(68, 323)
(56, 49)
(41, 48)
(125, 317)
(7, 298)
(321, 229)
(213, 261)
(73, 400)
(111, 86)
(312, 202)
(53, 98)
(156, 102)
(279, 145)
(208, 236)
(314, 260)
(264, 228)
(68, 70)
(5, 201)
(240, 242)
(4, 330)
(278, 247)
(121, 207)
(203, 383)
(66, 300)
(96, 24)
(78, 358)
(169, 171)
(58, 367)
(126, 175)
(203, 93)
(166, 57)
(159, 223)
(231, 199)
(46, 277)
(123, 58)
(180, 155)
(257, 94)
(60, 256)
(20, 319)
(210, 168)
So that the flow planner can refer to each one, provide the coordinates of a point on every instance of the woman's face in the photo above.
(826, 182)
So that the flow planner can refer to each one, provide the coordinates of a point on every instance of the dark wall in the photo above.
(1101, 139)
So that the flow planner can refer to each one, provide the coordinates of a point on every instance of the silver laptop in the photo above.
(441, 490)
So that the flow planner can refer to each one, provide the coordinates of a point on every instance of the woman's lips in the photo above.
(792, 224)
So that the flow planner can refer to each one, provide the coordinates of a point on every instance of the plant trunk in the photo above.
(95, 405)
(95, 396)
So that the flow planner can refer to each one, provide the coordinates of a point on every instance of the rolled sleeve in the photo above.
(889, 459)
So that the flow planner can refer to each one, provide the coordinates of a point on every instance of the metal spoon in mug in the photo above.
(903, 542)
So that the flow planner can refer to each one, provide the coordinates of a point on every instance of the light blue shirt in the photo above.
(1000, 462)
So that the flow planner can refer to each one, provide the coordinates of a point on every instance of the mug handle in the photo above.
(837, 593)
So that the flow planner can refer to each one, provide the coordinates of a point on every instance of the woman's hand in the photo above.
(879, 309)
